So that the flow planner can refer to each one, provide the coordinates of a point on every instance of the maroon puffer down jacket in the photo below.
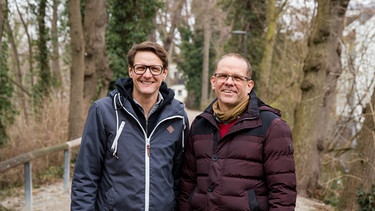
(250, 168)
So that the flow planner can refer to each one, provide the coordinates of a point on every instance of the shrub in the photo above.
(366, 201)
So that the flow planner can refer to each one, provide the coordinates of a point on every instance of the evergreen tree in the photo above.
(130, 22)
(249, 16)
(190, 62)
(7, 111)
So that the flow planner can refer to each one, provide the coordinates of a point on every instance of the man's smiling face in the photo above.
(146, 85)
(231, 92)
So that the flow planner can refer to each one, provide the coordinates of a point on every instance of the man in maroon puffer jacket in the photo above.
(240, 152)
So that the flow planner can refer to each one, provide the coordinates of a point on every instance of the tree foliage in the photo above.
(248, 16)
(366, 200)
(7, 111)
(189, 62)
(130, 22)
(43, 87)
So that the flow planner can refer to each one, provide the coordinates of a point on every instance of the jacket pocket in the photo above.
(191, 195)
(253, 202)
(110, 199)
(196, 201)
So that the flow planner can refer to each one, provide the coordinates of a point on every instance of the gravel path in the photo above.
(49, 197)
(52, 197)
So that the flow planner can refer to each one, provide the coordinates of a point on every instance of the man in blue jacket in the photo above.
(132, 145)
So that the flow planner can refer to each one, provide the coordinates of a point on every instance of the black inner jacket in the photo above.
(125, 87)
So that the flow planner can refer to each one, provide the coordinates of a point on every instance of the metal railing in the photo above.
(26, 159)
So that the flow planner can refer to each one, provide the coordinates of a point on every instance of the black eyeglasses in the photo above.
(221, 77)
(155, 70)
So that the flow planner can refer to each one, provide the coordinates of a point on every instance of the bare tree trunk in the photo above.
(30, 46)
(175, 12)
(77, 70)
(97, 72)
(321, 70)
(21, 96)
(172, 18)
(205, 10)
(56, 71)
(206, 60)
(266, 62)
(362, 169)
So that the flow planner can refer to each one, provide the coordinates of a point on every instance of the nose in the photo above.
(229, 77)
(148, 72)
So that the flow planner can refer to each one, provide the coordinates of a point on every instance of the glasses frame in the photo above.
(148, 67)
(242, 78)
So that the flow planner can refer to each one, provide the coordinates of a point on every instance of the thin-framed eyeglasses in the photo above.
(222, 77)
(155, 70)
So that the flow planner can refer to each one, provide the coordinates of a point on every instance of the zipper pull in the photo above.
(148, 149)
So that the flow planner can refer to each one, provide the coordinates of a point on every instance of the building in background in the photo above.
(176, 83)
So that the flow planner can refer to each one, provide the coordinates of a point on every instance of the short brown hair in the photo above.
(239, 56)
(148, 46)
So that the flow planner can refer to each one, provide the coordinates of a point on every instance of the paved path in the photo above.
(192, 114)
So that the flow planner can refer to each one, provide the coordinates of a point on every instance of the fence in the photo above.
(26, 159)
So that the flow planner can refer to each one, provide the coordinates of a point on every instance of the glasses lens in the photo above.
(224, 77)
(140, 69)
(238, 78)
(156, 69)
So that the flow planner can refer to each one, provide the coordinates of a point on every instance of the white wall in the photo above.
(180, 92)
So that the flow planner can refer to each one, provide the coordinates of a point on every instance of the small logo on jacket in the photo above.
(170, 129)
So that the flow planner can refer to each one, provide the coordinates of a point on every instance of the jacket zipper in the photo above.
(147, 159)
(148, 153)
(148, 146)
(147, 176)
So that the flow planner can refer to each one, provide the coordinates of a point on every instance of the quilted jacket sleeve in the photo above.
(279, 166)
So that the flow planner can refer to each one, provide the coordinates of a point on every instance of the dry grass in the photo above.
(48, 128)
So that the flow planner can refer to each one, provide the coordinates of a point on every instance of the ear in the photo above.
(212, 80)
(165, 73)
(130, 71)
(250, 85)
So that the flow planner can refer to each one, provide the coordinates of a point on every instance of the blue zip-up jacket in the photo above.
(126, 162)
